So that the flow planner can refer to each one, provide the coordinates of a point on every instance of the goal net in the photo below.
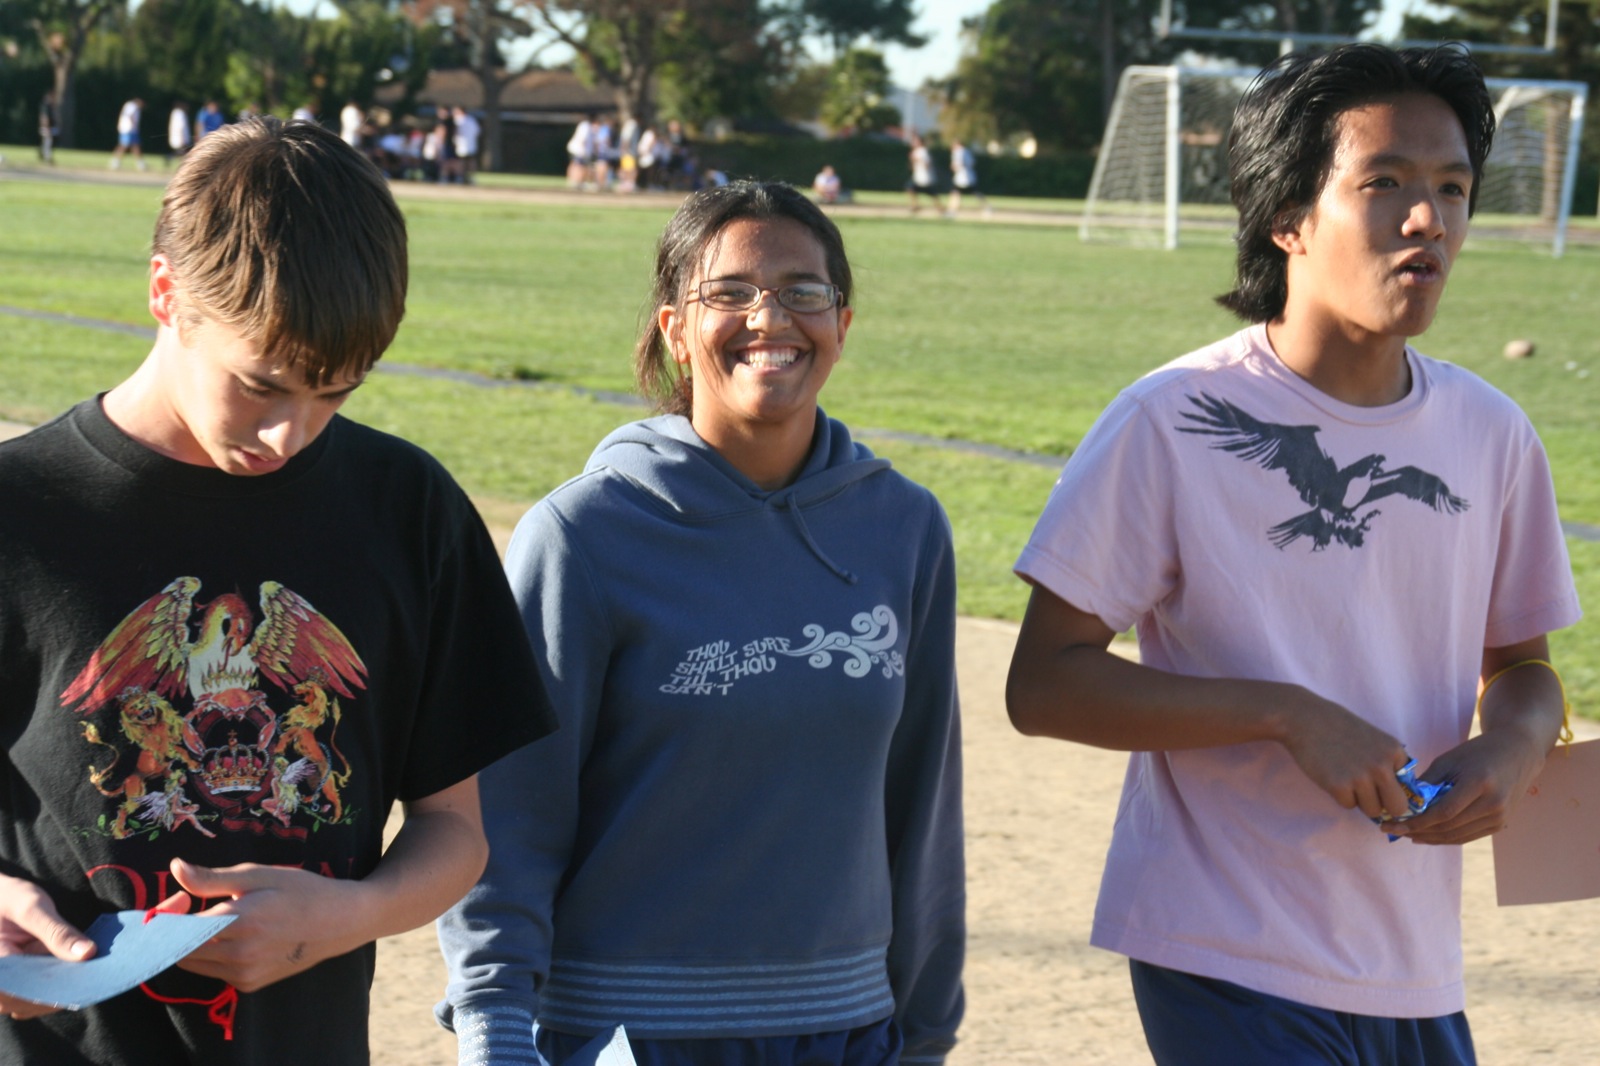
(1163, 165)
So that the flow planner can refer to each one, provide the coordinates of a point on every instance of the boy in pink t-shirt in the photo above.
(1326, 541)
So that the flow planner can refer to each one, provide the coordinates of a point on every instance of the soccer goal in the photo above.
(1163, 162)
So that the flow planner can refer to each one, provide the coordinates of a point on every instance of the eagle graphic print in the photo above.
(1339, 497)
(184, 736)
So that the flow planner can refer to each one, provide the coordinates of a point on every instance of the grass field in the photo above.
(1006, 334)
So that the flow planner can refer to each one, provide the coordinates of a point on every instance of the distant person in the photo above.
(351, 119)
(468, 134)
(180, 137)
(964, 178)
(304, 113)
(651, 150)
(128, 120)
(827, 186)
(49, 128)
(922, 180)
(239, 629)
(604, 154)
(1337, 552)
(744, 844)
(580, 153)
(445, 147)
(247, 112)
(209, 120)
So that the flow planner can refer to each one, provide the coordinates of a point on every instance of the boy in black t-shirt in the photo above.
(235, 628)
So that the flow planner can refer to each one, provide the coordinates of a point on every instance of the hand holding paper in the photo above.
(128, 947)
(29, 925)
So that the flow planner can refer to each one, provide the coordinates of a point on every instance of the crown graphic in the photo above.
(235, 768)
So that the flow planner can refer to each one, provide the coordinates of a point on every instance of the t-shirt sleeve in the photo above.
(482, 696)
(1533, 592)
(1106, 542)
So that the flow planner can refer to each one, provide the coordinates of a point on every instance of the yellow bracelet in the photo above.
(1566, 708)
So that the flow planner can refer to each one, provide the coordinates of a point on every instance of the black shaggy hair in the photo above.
(1284, 135)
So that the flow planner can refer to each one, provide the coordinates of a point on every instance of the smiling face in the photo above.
(1371, 257)
(756, 373)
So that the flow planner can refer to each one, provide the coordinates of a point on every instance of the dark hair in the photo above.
(287, 234)
(1284, 135)
(681, 251)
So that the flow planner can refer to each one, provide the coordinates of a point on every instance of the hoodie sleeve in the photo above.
(923, 809)
(496, 942)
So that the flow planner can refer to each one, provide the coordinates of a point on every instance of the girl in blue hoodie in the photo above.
(744, 843)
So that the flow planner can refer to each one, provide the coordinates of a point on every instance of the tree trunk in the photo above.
(493, 132)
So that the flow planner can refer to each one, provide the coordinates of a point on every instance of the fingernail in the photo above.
(81, 949)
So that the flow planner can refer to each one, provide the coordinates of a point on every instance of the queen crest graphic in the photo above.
(188, 739)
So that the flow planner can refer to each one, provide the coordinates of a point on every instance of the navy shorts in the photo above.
(871, 1045)
(1201, 1021)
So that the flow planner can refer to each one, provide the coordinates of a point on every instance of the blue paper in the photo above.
(131, 950)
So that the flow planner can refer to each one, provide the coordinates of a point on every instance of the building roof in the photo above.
(541, 93)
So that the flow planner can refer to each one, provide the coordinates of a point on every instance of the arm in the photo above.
(1064, 683)
(922, 807)
(291, 919)
(1520, 717)
(30, 925)
(497, 941)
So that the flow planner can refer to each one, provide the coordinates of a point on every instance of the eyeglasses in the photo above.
(806, 298)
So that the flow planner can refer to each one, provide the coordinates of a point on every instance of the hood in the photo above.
(666, 459)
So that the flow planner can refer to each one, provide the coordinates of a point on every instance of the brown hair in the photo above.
(704, 216)
(290, 236)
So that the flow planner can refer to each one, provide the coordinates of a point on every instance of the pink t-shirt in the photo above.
(1254, 527)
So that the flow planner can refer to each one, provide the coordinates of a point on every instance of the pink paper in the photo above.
(1550, 851)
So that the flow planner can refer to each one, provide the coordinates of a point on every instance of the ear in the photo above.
(1287, 225)
(846, 316)
(670, 322)
(163, 291)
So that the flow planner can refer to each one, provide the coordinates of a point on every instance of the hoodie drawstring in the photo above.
(805, 535)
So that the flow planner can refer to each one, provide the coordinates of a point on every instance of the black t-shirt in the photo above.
(234, 669)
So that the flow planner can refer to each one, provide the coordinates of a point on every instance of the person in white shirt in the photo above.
(351, 119)
(922, 182)
(128, 133)
(180, 135)
(580, 154)
(468, 133)
(827, 186)
(964, 178)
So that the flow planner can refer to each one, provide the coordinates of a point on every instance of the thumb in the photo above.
(207, 882)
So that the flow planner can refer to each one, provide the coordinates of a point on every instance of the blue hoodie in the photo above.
(749, 823)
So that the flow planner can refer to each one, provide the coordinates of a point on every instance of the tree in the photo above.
(857, 97)
(185, 45)
(1576, 56)
(626, 44)
(484, 27)
(728, 65)
(1050, 68)
(1042, 68)
(63, 27)
(843, 22)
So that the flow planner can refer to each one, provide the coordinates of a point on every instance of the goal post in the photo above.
(1162, 166)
